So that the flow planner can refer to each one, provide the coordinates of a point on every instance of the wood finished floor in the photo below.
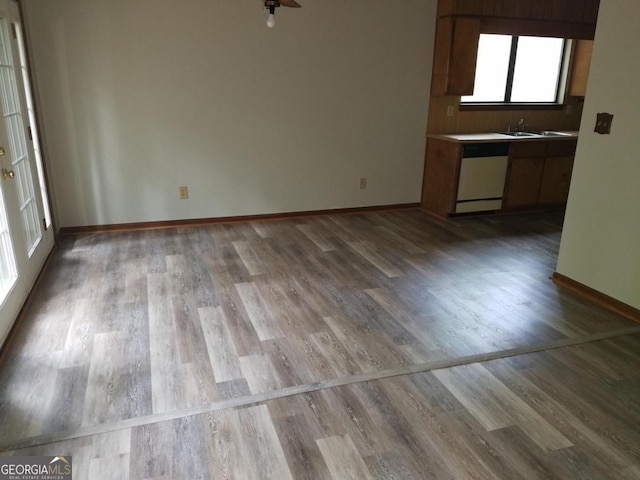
(570, 413)
(136, 324)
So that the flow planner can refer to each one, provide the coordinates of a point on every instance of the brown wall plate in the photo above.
(603, 123)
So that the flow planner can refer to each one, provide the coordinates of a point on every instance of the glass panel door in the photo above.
(8, 271)
(25, 239)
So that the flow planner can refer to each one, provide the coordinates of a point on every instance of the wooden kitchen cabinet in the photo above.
(558, 166)
(556, 11)
(460, 23)
(554, 187)
(580, 64)
(523, 182)
(441, 171)
(455, 56)
(526, 166)
(539, 173)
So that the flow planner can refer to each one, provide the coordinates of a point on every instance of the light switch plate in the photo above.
(603, 123)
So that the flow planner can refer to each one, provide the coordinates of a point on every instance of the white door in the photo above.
(26, 236)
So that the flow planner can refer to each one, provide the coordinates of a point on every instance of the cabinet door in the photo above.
(580, 65)
(441, 170)
(523, 183)
(464, 55)
(555, 180)
(455, 56)
(441, 51)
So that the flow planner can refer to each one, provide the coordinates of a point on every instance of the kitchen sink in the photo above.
(549, 133)
(544, 133)
(518, 134)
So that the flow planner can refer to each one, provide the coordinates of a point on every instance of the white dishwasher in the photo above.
(483, 171)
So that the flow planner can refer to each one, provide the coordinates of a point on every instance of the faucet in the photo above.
(519, 127)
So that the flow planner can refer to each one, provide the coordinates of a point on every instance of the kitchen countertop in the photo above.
(498, 137)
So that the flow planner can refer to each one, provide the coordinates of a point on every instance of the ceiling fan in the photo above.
(271, 5)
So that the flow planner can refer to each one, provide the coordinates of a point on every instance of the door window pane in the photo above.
(8, 271)
(33, 124)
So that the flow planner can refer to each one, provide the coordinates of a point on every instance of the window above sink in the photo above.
(514, 69)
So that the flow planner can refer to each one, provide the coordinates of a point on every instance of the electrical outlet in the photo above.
(183, 192)
(363, 183)
(450, 111)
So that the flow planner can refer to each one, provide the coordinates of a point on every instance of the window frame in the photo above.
(506, 104)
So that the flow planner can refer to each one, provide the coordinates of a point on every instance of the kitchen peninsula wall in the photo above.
(566, 18)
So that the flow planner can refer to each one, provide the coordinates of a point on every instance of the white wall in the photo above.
(600, 244)
(139, 97)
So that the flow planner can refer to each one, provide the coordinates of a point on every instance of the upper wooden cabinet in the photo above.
(460, 23)
(455, 55)
(541, 18)
(580, 64)
(574, 11)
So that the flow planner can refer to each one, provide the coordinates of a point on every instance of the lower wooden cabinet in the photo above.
(539, 173)
(558, 167)
(554, 187)
(526, 166)
(441, 172)
(523, 182)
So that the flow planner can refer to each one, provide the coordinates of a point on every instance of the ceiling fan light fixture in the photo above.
(271, 5)
(271, 21)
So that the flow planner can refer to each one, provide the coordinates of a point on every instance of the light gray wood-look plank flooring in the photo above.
(149, 324)
(408, 426)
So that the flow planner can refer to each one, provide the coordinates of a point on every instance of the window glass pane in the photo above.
(491, 69)
(33, 125)
(537, 69)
